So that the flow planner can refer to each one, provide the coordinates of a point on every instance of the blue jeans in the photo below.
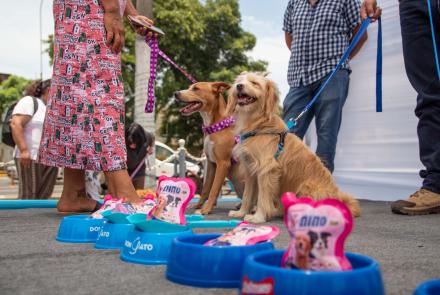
(327, 111)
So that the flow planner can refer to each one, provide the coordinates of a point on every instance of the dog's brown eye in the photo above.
(195, 89)
(255, 83)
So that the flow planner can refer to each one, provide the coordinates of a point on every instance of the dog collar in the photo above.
(227, 122)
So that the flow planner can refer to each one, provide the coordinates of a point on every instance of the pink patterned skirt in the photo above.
(84, 126)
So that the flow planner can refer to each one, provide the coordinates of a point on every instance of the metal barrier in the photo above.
(179, 158)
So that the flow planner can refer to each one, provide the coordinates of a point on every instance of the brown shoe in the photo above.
(421, 202)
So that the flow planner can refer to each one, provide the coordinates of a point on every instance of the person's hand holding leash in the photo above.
(370, 9)
(145, 20)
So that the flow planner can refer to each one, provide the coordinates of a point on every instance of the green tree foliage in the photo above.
(11, 90)
(205, 38)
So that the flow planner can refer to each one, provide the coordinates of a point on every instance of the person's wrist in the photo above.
(112, 11)
(132, 12)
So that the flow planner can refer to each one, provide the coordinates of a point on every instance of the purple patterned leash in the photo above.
(171, 62)
(153, 43)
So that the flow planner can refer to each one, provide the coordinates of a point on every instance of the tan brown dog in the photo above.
(303, 248)
(271, 171)
(207, 99)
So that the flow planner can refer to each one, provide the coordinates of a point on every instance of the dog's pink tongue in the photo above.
(190, 107)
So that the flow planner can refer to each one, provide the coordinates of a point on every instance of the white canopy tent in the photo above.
(377, 154)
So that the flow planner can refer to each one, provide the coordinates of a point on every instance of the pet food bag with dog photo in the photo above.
(318, 230)
(173, 196)
(245, 234)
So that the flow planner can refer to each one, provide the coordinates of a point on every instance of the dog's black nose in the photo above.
(240, 87)
(177, 94)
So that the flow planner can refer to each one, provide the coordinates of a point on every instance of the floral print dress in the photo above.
(84, 126)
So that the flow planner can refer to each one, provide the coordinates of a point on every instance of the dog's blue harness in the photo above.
(281, 142)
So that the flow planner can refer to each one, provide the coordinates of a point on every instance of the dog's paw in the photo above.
(255, 218)
(205, 211)
(196, 206)
(278, 213)
(236, 214)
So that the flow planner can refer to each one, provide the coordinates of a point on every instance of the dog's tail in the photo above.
(351, 203)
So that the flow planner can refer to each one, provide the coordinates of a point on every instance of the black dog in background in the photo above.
(139, 143)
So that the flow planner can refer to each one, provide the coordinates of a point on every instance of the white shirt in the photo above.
(34, 128)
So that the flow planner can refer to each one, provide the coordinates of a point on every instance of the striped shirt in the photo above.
(321, 34)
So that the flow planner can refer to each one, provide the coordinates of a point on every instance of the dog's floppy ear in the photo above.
(232, 103)
(271, 101)
(324, 236)
(220, 87)
(313, 237)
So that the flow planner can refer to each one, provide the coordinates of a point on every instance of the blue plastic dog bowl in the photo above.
(79, 229)
(194, 221)
(263, 270)
(191, 263)
(149, 248)
(428, 288)
(113, 235)
(117, 217)
(154, 226)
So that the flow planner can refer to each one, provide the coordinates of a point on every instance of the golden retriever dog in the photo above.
(207, 99)
(269, 170)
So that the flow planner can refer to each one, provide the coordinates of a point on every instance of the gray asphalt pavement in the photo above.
(32, 262)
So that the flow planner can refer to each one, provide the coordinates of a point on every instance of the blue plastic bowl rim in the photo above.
(181, 240)
(111, 224)
(101, 247)
(137, 231)
(132, 259)
(75, 241)
(372, 265)
(82, 216)
(424, 287)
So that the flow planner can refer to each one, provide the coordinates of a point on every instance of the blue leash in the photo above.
(292, 122)
(433, 37)
(379, 69)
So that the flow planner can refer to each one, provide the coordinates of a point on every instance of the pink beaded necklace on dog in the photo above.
(223, 124)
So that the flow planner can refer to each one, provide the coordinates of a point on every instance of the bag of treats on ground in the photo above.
(318, 230)
(173, 196)
(245, 234)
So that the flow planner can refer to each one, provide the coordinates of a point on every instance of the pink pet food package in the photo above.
(318, 230)
(245, 234)
(173, 196)
(148, 204)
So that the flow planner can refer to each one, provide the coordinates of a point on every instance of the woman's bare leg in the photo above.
(73, 198)
(110, 186)
(119, 182)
